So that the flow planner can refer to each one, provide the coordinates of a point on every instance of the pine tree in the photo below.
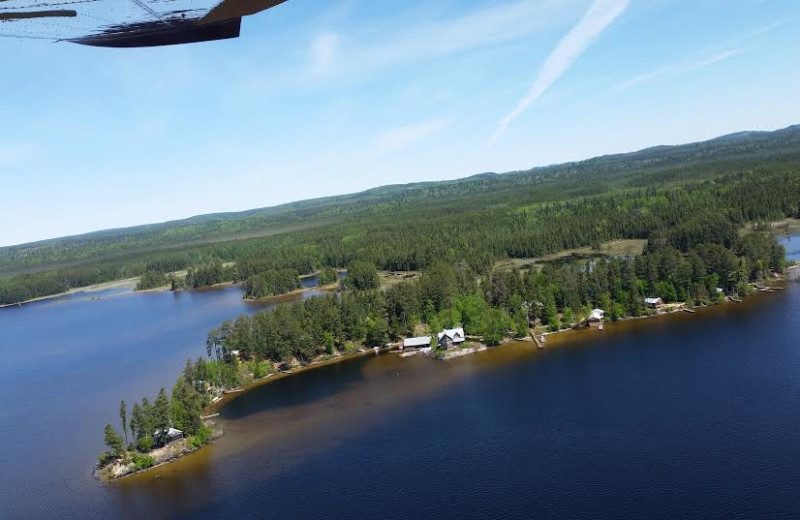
(123, 417)
(161, 414)
(186, 407)
(113, 440)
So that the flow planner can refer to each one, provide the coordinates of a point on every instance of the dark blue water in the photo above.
(66, 364)
(313, 281)
(687, 416)
(792, 245)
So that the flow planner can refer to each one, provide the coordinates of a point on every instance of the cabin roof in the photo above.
(452, 333)
(417, 342)
(171, 432)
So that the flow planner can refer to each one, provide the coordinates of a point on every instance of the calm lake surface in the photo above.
(792, 245)
(677, 417)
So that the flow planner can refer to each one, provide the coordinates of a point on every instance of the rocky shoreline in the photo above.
(130, 464)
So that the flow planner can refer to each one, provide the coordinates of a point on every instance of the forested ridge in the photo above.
(689, 190)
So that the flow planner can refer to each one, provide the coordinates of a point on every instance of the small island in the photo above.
(160, 431)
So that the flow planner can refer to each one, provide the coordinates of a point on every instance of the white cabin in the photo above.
(597, 315)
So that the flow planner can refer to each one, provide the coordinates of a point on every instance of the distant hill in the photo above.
(658, 165)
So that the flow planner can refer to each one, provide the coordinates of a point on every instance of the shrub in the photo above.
(143, 461)
(145, 444)
(202, 437)
(259, 369)
(493, 339)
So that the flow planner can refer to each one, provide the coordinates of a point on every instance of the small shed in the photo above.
(654, 303)
(449, 337)
(597, 315)
(418, 342)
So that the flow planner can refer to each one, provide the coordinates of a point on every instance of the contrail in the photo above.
(597, 19)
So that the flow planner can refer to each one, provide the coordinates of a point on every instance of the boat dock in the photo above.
(537, 340)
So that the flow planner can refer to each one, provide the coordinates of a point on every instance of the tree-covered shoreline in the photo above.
(697, 266)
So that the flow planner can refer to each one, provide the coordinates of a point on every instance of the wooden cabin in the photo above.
(449, 337)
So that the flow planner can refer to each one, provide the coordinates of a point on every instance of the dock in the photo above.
(539, 342)
(737, 300)
(690, 311)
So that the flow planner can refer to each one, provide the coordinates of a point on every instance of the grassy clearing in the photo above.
(787, 226)
(392, 278)
(625, 247)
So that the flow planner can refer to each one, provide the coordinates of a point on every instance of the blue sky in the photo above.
(323, 97)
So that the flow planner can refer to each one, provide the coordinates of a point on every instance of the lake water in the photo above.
(676, 417)
(792, 245)
(67, 361)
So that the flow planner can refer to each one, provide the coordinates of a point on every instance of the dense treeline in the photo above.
(481, 219)
(208, 275)
(271, 283)
(152, 280)
(501, 303)
(327, 276)
(745, 152)
(361, 276)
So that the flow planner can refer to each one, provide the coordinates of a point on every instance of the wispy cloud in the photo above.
(729, 49)
(678, 69)
(597, 19)
(418, 33)
(404, 136)
(431, 36)
(323, 52)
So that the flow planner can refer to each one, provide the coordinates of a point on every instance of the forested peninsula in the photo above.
(499, 256)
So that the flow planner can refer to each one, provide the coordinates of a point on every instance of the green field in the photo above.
(611, 249)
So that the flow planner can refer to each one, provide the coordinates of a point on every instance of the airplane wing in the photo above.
(127, 23)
